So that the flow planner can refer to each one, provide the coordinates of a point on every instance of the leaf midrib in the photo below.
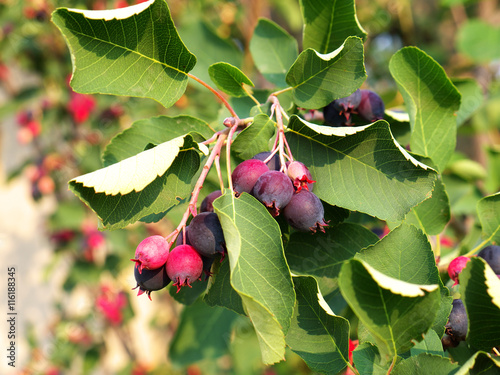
(128, 50)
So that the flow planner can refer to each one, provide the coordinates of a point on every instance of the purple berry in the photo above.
(333, 117)
(205, 234)
(274, 164)
(274, 189)
(348, 104)
(371, 107)
(456, 266)
(246, 174)
(491, 255)
(184, 266)
(151, 280)
(300, 176)
(151, 253)
(457, 322)
(206, 204)
(305, 212)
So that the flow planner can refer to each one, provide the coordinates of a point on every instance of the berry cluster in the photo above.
(194, 252)
(287, 190)
(365, 103)
(456, 328)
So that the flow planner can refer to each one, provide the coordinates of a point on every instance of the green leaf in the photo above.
(479, 40)
(488, 210)
(492, 182)
(220, 292)
(406, 254)
(273, 51)
(187, 296)
(328, 23)
(154, 130)
(318, 79)
(322, 255)
(229, 79)
(394, 311)
(254, 138)
(433, 214)
(149, 183)
(202, 40)
(365, 162)
(480, 363)
(431, 101)
(480, 292)
(259, 272)
(431, 344)
(472, 98)
(367, 360)
(316, 334)
(425, 364)
(133, 51)
(203, 333)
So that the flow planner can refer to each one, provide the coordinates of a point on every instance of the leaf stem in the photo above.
(216, 93)
(392, 364)
(250, 95)
(276, 93)
(221, 138)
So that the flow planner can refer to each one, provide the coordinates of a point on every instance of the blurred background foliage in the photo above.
(63, 134)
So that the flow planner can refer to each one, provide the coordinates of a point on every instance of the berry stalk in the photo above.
(220, 140)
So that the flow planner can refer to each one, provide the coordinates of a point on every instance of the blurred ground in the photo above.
(23, 244)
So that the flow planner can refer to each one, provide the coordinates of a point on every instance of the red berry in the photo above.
(151, 253)
(456, 266)
(184, 265)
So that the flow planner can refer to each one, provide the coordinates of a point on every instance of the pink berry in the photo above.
(151, 253)
(246, 174)
(456, 266)
(300, 175)
(184, 265)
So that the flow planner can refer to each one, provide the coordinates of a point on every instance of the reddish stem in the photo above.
(199, 184)
(216, 93)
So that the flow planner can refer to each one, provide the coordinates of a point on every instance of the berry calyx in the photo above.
(184, 266)
(305, 212)
(151, 253)
(151, 280)
(300, 176)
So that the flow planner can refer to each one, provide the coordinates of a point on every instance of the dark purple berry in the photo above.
(246, 174)
(151, 253)
(184, 266)
(207, 266)
(151, 280)
(371, 108)
(348, 104)
(457, 322)
(300, 176)
(456, 266)
(491, 255)
(274, 189)
(206, 204)
(205, 234)
(305, 212)
(273, 164)
(334, 117)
